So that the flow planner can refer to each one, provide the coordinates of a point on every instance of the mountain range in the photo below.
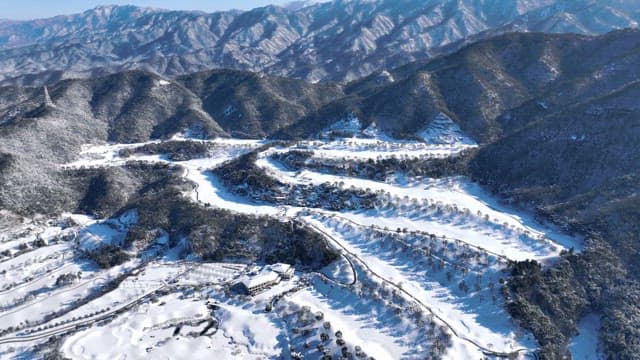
(340, 40)
(544, 87)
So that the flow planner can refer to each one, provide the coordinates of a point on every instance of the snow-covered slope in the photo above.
(417, 276)
(442, 130)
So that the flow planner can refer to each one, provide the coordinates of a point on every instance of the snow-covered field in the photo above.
(419, 275)
(587, 345)
(463, 312)
(364, 149)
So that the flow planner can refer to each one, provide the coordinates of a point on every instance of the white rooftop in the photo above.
(281, 268)
(263, 277)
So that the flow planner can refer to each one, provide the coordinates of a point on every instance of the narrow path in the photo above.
(43, 298)
(37, 278)
(88, 322)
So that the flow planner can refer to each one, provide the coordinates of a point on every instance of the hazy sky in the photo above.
(30, 9)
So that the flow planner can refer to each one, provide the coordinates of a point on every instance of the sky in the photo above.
(33, 9)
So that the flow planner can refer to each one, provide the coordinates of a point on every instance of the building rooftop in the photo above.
(281, 268)
(263, 277)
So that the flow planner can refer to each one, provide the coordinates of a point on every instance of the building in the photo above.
(259, 281)
(255, 284)
(284, 270)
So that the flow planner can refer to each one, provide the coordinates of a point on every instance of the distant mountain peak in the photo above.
(340, 40)
(110, 10)
(300, 4)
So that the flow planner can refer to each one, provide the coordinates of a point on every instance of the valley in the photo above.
(346, 179)
(421, 271)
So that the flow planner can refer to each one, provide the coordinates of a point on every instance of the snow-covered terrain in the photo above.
(442, 130)
(587, 345)
(377, 148)
(419, 274)
(330, 41)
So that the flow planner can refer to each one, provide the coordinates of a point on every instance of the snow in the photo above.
(473, 234)
(95, 234)
(31, 272)
(263, 277)
(339, 271)
(386, 76)
(50, 299)
(586, 346)
(220, 273)
(520, 243)
(210, 190)
(378, 147)
(129, 337)
(372, 131)
(148, 329)
(494, 241)
(256, 332)
(107, 155)
(443, 130)
(96, 155)
(468, 319)
(350, 126)
(197, 170)
(353, 322)
(351, 129)
(281, 269)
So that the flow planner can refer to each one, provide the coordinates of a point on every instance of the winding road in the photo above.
(482, 348)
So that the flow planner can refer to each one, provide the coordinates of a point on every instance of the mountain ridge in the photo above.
(339, 40)
(555, 116)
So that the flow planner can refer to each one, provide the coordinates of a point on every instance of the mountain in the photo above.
(571, 157)
(558, 118)
(134, 106)
(338, 40)
(509, 81)
(250, 105)
(555, 115)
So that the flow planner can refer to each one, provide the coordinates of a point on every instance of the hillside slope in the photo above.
(254, 106)
(508, 81)
(131, 107)
(557, 116)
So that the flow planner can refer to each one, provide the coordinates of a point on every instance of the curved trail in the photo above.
(37, 278)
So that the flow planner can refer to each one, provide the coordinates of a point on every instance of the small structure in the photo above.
(284, 270)
(47, 103)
